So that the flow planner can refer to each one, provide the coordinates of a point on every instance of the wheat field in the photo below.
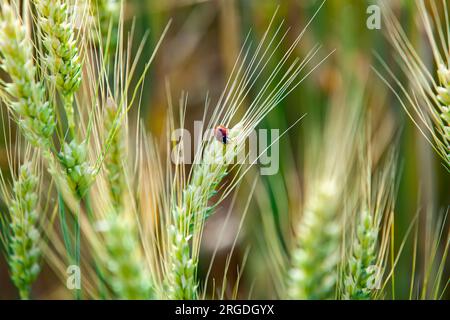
(229, 149)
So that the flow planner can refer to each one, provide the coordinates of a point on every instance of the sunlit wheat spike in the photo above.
(427, 101)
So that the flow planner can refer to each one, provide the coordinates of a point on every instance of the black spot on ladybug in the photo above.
(221, 134)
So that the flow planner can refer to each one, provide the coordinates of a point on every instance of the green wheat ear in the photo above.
(127, 275)
(108, 14)
(24, 252)
(361, 272)
(444, 97)
(61, 53)
(313, 272)
(34, 115)
(425, 99)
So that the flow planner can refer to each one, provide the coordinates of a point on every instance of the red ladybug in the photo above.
(221, 134)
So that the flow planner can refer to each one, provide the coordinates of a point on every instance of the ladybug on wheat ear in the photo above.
(222, 134)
